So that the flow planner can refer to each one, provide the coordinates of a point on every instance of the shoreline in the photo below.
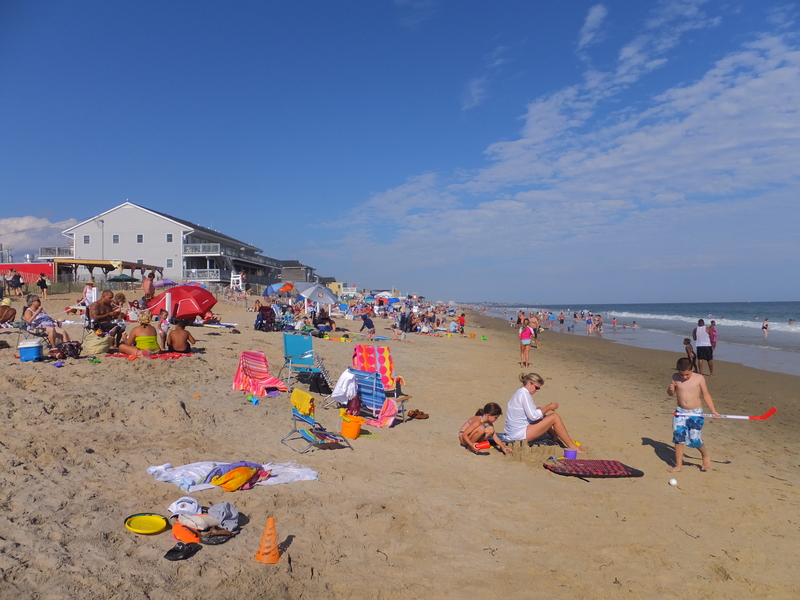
(410, 508)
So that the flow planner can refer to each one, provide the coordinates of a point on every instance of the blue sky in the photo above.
(519, 151)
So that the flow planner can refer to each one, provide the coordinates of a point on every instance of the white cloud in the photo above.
(476, 90)
(591, 26)
(25, 235)
(680, 192)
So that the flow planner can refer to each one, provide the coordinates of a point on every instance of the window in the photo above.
(139, 238)
(115, 239)
(169, 263)
(86, 239)
(140, 261)
(169, 238)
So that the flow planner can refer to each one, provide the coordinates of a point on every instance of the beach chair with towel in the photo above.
(305, 427)
(253, 376)
(374, 401)
(378, 359)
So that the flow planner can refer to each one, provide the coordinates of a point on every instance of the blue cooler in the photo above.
(30, 350)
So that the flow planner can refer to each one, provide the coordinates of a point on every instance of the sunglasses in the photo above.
(538, 387)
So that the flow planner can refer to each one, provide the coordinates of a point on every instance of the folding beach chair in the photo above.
(378, 359)
(373, 395)
(24, 334)
(314, 434)
(298, 356)
(252, 375)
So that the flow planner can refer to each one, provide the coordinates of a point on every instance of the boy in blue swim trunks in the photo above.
(688, 386)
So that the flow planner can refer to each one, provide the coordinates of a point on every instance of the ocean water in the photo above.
(664, 326)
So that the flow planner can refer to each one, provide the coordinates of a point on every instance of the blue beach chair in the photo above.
(312, 433)
(373, 395)
(298, 356)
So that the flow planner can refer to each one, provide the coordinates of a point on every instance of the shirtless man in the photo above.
(686, 427)
(534, 322)
(148, 286)
(102, 314)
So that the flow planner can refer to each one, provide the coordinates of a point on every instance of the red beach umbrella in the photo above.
(187, 302)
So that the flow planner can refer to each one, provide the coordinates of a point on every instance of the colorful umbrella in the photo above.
(281, 286)
(187, 302)
(164, 283)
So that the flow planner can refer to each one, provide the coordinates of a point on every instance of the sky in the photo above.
(520, 151)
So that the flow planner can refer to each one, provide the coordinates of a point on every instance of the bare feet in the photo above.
(674, 470)
(706, 465)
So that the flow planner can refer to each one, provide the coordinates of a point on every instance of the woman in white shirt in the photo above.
(526, 422)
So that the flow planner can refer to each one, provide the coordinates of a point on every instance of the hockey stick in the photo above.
(763, 417)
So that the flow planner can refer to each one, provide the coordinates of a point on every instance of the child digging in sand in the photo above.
(480, 428)
(686, 427)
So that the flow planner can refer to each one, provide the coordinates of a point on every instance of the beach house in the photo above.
(187, 251)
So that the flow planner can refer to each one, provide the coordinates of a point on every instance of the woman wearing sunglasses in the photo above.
(526, 422)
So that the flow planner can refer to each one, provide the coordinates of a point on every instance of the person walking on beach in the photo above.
(712, 333)
(702, 337)
(525, 335)
(43, 284)
(765, 327)
(686, 424)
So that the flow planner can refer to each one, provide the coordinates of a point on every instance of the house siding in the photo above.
(128, 222)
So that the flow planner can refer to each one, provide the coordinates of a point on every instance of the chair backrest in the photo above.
(300, 348)
(303, 406)
(370, 390)
(375, 359)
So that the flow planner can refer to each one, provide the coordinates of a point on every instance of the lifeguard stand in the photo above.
(236, 282)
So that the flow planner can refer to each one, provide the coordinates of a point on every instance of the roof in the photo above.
(176, 220)
(110, 265)
(293, 263)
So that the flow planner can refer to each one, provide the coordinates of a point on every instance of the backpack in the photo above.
(70, 349)
(318, 385)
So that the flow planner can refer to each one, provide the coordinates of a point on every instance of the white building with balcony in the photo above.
(188, 252)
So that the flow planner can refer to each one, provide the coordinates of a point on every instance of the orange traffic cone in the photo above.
(268, 549)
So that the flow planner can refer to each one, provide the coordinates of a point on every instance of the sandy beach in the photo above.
(408, 513)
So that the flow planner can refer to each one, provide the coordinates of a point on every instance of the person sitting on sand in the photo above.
(7, 314)
(178, 339)
(209, 318)
(687, 343)
(526, 422)
(36, 318)
(480, 428)
(142, 340)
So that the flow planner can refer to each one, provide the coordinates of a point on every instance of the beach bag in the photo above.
(354, 406)
(97, 344)
(318, 385)
(70, 349)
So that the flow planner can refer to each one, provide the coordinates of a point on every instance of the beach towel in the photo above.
(252, 375)
(591, 468)
(386, 416)
(374, 359)
(190, 477)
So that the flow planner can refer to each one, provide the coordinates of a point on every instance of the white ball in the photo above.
(673, 482)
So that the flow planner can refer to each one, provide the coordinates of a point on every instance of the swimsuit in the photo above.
(187, 351)
(147, 342)
(686, 428)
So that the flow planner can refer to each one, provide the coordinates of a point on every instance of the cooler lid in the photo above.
(31, 343)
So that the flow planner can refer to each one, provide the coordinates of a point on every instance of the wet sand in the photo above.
(409, 513)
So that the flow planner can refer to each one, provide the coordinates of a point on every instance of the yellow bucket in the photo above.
(351, 426)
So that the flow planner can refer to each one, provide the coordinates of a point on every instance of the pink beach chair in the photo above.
(252, 375)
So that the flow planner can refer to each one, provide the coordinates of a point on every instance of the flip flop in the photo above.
(216, 536)
(181, 551)
(412, 414)
(421, 415)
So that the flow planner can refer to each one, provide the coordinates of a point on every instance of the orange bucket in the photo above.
(351, 426)
(472, 335)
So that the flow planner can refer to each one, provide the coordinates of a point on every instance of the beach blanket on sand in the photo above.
(191, 478)
(164, 355)
(591, 468)
(252, 375)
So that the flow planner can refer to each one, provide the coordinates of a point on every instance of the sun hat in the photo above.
(6, 302)
(184, 506)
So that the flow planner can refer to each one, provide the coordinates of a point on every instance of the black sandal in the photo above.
(181, 551)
